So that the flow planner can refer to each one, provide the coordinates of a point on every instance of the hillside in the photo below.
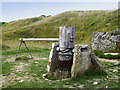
(85, 23)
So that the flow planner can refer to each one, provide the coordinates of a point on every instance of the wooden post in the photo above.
(66, 45)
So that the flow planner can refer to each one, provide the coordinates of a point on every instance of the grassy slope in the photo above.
(85, 23)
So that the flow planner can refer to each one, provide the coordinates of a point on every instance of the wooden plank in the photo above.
(66, 37)
(39, 39)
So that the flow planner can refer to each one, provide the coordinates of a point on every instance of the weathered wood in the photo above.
(66, 45)
(39, 39)
(66, 37)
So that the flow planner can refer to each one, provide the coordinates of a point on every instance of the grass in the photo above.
(115, 50)
(116, 33)
(85, 23)
(57, 75)
(36, 70)
(5, 47)
(39, 68)
(100, 54)
(106, 64)
(22, 58)
(24, 50)
(14, 44)
(6, 68)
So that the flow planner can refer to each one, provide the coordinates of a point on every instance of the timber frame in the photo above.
(33, 39)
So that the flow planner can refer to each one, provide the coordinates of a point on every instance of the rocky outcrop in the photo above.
(105, 40)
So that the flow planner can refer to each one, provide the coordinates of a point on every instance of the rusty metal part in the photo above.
(65, 65)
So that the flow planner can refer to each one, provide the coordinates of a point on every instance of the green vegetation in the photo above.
(31, 73)
(22, 58)
(5, 47)
(26, 72)
(85, 23)
(115, 50)
(24, 50)
(116, 33)
(6, 68)
(100, 54)
(57, 75)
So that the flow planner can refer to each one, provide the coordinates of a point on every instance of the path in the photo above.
(108, 60)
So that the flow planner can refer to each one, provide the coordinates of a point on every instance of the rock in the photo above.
(83, 61)
(115, 70)
(108, 24)
(35, 62)
(108, 37)
(103, 41)
(53, 58)
(106, 86)
(95, 83)
(118, 30)
(44, 75)
(66, 37)
(21, 81)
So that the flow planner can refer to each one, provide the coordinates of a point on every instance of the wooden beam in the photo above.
(39, 39)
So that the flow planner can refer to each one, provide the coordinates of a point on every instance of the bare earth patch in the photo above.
(38, 58)
(80, 86)
(68, 86)
(10, 60)
(107, 60)
(112, 53)
(16, 76)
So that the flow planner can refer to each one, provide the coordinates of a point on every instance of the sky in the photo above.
(60, 0)
(19, 10)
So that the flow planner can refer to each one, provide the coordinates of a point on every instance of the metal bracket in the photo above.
(25, 46)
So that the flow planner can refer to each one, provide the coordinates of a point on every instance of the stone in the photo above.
(66, 45)
(108, 24)
(106, 86)
(66, 37)
(115, 70)
(80, 60)
(21, 81)
(35, 62)
(83, 61)
(103, 41)
(95, 83)
(118, 30)
(44, 75)
(114, 38)
(53, 58)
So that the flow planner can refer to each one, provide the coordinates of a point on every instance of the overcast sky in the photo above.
(19, 10)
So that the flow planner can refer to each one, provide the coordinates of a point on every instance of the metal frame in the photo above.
(26, 48)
